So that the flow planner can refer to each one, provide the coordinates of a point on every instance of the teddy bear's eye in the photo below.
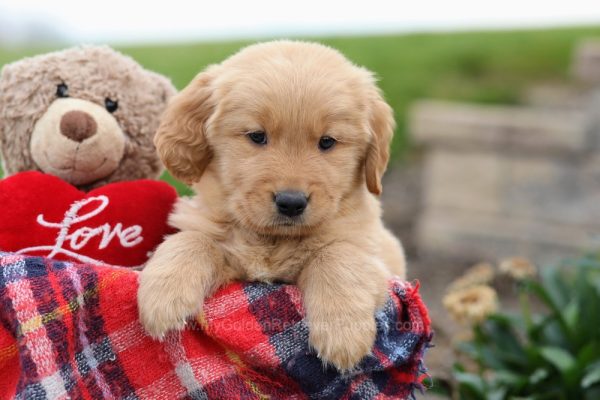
(111, 105)
(62, 90)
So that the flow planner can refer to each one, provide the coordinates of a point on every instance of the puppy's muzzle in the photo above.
(290, 203)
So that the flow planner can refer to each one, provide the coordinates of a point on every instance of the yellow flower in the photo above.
(471, 304)
(479, 274)
(518, 268)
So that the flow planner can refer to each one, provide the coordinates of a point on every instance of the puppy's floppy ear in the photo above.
(181, 137)
(381, 126)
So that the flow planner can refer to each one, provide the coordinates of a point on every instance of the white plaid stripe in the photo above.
(37, 341)
(225, 305)
(129, 336)
(212, 368)
(54, 386)
(88, 354)
(163, 388)
(183, 369)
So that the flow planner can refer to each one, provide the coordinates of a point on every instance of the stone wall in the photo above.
(586, 65)
(501, 180)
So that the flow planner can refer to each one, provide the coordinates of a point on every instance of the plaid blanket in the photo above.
(71, 331)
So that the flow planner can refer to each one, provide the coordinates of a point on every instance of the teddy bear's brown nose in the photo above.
(78, 125)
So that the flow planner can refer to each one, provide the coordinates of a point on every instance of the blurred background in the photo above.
(495, 155)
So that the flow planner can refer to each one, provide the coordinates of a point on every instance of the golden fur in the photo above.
(338, 252)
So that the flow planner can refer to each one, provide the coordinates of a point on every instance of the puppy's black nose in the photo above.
(291, 203)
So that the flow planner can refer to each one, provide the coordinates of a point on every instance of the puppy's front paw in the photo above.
(164, 305)
(344, 340)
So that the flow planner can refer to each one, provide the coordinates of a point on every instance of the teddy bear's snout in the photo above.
(78, 125)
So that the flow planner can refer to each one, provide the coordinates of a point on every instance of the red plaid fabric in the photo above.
(71, 331)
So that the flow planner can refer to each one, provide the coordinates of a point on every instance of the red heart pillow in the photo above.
(118, 224)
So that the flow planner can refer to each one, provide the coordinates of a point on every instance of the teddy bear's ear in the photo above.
(165, 87)
(4, 75)
(181, 139)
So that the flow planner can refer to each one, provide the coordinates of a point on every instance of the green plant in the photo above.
(553, 353)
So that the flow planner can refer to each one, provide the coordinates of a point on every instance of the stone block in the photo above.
(565, 191)
(464, 234)
(465, 180)
(501, 128)
(586, 62)
(557, 96)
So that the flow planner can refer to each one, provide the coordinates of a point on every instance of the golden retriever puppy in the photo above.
(285, 144)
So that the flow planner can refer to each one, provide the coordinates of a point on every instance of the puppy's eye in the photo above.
(111, 105)
(326, 142)
(258, 137)
(62, 90)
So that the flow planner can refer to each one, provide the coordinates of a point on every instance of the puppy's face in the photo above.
(288, 129)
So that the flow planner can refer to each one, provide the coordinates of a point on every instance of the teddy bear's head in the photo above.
(87, 115)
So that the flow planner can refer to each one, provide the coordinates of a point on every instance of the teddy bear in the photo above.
(82, 121)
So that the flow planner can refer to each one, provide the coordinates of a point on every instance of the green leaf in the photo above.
(468, 348)
(474, 382)
(497, 393)
(571, 314)
(553, 280)
(593, 365)
(591, 262)
(554, 334)
(559, 358)
(591, 378)
(588, 355)
(439, 386)
(510, 378)
(592, 393)
(503, 332)
(544, 295)
(538, 376)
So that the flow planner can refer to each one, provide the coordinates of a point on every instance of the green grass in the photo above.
(491, 66)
